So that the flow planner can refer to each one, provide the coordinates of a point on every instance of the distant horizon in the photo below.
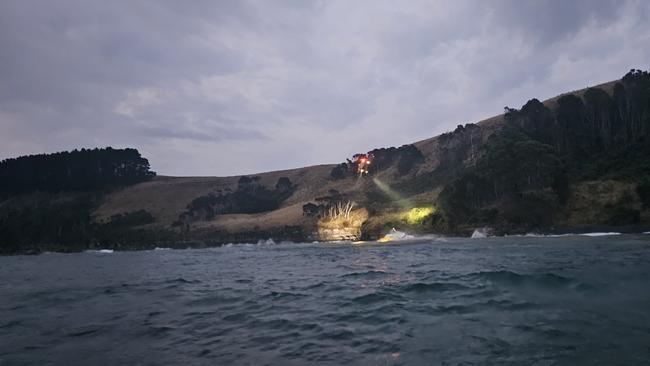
(227, 89)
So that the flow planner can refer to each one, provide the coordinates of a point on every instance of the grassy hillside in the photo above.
(572, 162)
(445, 157)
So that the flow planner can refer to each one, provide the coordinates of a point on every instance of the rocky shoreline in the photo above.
(296, 234)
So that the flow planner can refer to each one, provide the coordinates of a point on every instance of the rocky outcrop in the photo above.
(341, 228)
(336, 234)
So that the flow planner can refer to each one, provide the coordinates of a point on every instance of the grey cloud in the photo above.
(549, 21)
(212, 134)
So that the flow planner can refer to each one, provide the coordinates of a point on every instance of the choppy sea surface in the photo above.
(570, 300)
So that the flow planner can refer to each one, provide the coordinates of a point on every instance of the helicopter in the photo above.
(363, 162)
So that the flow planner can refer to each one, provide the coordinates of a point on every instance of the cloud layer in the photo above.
(225, 88)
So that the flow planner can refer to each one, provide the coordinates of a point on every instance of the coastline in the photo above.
(244, 239)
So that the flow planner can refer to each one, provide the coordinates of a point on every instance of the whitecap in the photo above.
(479, 234)
(158, 248)
(100, 251)
(534, 235)
(601, 234)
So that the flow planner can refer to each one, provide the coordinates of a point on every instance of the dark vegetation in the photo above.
(520, 177)
(405, 158)
(457, 150)
(46, 200)
(643, 190)
(341, 171)
(460, 145)
(45, 219)
(63, 222)
(250, 197)
(76, 170)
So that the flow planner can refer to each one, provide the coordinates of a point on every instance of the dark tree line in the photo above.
(249, 197)
(67, 189)
(405, 157)
(460, 145)
(598, 125)
(521, 174)
(64, 222)
(83, 169)
(324, 204)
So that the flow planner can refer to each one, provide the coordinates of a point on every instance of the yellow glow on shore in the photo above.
(411, 215)
(416, 215)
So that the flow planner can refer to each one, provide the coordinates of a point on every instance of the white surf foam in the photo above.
(479, 234)
(396, 235)
(100, 251)
(534, 235)
(601, 234)
(595, 234)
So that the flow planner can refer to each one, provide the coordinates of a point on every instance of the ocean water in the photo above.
(570, 300)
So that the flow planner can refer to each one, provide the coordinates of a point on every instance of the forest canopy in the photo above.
(521, 175)
(77, 170)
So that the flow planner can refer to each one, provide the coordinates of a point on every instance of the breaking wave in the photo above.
(594, 234)
(601, 234)
(100, 251)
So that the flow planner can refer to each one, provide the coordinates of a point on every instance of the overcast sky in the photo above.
(235, 87)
